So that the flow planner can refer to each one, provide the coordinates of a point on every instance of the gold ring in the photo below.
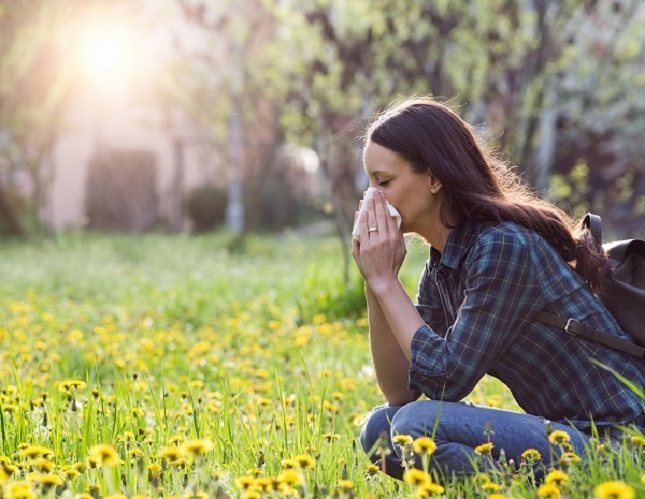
(372, 229)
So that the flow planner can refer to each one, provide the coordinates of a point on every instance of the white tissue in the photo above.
(356, 232)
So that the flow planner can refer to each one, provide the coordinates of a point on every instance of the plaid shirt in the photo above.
(478, 298)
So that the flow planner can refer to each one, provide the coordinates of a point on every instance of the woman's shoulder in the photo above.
(506, 234)
(509, 240)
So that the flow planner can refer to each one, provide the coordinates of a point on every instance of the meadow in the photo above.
(161, 366)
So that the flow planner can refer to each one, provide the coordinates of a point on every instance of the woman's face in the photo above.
(413, 194)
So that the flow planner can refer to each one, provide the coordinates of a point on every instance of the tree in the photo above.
(32, 90)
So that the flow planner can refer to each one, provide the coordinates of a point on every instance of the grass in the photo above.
(183, 366)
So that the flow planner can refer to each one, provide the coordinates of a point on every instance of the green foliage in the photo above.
(206, 207)
(176, 343)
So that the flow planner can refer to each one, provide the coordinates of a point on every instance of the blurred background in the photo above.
(192, 115)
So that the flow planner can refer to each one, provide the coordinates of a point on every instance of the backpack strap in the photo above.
(594, 224)
(577, 328)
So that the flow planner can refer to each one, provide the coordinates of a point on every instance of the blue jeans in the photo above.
(458, 427)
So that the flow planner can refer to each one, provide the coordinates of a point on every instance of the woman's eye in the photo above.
(384, 183)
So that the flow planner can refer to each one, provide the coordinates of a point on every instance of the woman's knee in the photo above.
(416, 418)
(377, 422)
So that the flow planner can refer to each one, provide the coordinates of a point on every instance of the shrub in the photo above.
(206, 207)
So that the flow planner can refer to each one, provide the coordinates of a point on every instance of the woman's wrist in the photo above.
(381, 286)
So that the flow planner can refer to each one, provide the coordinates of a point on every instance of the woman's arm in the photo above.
(391, 365)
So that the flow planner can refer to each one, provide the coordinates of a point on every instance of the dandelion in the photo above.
(402, 440)
(568, 458)
(290, 478)
(559, 437)
(70, 385)
(346, 485)
(330, 437)
(289, 464)
(372, 470)
(532, 455)
(197, 447)
(556, 477)
(19, 490)
(416, 477)
(484, 448)
(304, 461)
(496, 496)
(251, 494)
(549, 491)
(638, 440)
(104, 455)
(48, 480)
(491, 487)
(245, 482)
(613, 490)
(35, 451)
(171, 454)
(428, 490)
(41, 464)
(424, 446)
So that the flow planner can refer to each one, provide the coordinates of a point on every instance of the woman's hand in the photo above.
(381, 250)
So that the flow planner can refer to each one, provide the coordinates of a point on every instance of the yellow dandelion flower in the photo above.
(333, 408)
(532, 455)
(614, 490)
(48, 480)
(491, 487)
(495, 496)
(304, 461)
(638, 440)
(197, 447)
(104, 455)
(416, 477)
(35, 451)
(557, 477)
(289, 464)
(71, 385)
(290, 478)
(136, 454)
(372, 470)
(252, 494)
(154, 472)
(264, 483)
(245, 482)
(549, 491)
(330, 437)
(424, 446)
(19, 490)
(428, 490)
(41, 464)
(559, 437)
(346, 485)
(402, 439)
(484, 448)
(170, 453)
(569, 458)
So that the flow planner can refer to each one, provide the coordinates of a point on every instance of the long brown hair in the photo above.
(477, 185)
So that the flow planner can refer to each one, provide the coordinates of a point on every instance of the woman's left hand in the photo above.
(381, 250)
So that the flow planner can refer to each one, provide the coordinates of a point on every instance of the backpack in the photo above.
(623, 294)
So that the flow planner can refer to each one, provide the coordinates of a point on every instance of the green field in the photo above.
(162, 366)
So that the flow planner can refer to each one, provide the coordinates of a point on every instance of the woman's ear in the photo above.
(434, 184)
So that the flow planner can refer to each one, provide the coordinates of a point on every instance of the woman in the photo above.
(498, 255)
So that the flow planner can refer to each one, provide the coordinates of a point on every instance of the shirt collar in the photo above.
(459, 242)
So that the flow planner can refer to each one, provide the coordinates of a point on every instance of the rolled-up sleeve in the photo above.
(500, 297)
